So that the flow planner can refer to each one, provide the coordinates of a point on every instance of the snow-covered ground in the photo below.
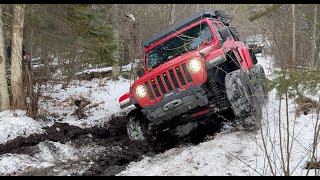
(230, 152)
(49, 155)
(16, 123)
(102, 94)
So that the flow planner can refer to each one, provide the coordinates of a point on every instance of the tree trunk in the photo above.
(294, 48)
(32, 97)
(116, 53)
(116, 56)
(172, 14)
(18, 94)
(314, 38)
(197, 7)
(4, 92)
(28, 29)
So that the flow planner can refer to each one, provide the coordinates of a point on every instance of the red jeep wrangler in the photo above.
(190, 71)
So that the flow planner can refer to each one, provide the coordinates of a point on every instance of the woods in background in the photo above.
(72, 37)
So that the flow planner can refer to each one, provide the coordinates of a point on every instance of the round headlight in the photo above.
(141, 91)
(194, 65)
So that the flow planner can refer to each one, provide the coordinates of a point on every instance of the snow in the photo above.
(10, 163)
(49, 154)
(127, 67)
(16, 123)
(102, 93)
(62, 152)
(239, 153)
(87, 71)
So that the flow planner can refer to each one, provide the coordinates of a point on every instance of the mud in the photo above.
(119, 149)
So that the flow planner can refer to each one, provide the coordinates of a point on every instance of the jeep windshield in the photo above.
(188, 40)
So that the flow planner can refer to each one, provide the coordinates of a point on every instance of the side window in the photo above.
(216, 28)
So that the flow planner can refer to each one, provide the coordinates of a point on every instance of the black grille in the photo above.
(183, 77)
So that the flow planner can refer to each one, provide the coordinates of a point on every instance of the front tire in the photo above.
(243, 100)
(135, 129)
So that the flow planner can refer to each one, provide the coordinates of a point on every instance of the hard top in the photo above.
(217, 14)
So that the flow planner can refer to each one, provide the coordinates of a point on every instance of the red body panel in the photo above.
(211, 50)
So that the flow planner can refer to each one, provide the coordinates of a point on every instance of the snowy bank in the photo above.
(16, 123)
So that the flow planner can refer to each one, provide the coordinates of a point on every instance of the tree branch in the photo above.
(264, 12)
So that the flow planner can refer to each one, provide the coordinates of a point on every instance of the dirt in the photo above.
(118, 153)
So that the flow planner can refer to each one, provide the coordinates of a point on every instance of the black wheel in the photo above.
(243, 100)
(135, 127)
(259, 81)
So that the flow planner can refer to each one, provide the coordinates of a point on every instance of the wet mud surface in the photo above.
(118, 151)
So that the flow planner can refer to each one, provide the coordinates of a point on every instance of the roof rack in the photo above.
(217, 14)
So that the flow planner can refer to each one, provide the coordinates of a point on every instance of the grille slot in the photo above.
(149, 91)
(184, 66)
(175, 82)
(180, 76)
(154, 86)
(166, 79)
(163, 89)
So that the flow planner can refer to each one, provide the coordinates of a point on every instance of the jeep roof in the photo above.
(220, 15)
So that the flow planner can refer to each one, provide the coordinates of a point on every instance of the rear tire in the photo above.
(259, 81)
(243, 100)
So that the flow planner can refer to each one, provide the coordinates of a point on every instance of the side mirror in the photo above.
(224, 32)
(140, 72)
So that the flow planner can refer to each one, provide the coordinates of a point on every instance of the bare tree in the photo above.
(294, 49)
(4, 93)
(172, 14)
(264, 12)
(18, 97)
(314, 38)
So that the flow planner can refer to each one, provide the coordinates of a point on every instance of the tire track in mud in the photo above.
(119, 149)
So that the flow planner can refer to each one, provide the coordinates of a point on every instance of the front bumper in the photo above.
(176, 104)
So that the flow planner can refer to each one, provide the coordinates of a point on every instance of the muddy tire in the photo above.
(135, 127)
(243, 100)
(259, 80)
